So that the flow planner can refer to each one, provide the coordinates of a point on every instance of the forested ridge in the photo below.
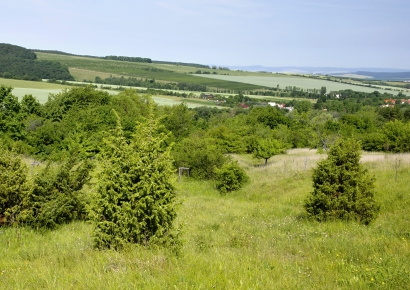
(20, 63)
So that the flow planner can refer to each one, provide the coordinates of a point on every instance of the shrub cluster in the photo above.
(51, 199)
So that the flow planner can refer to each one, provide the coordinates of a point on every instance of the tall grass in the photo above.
(256, 238)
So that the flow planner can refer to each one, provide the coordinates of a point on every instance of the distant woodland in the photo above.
(20, 63)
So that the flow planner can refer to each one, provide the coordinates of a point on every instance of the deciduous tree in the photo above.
(266, 148)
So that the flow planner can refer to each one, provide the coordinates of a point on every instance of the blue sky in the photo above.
(317, 33)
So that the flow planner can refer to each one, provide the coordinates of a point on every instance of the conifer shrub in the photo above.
(230, 177)
(342, 188)
(56, 197)
(13, 186)
(136, 196)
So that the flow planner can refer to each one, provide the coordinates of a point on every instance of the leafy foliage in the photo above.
(266, 148)
(200, 155)
(342, 188)
(136, 196)
(230, 177)
(11, 121)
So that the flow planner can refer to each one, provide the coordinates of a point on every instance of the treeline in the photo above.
(20, 63)
(128, 58)
(150, 83)
(182, 64)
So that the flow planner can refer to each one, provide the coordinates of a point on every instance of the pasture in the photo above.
(255, 238)
(284, 81)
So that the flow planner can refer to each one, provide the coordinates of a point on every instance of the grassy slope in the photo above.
(251, 239)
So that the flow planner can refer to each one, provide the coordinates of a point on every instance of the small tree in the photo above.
(136, 196)
(266, 148)
(342, 188)
(230, 177)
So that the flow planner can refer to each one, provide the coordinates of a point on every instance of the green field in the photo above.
(39, 90)
(284, 81)
(31, 84)
(255, 238)
(42, 90)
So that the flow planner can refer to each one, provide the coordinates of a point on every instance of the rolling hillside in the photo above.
(214, 79)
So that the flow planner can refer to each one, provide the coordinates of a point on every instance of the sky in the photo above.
(299, 33)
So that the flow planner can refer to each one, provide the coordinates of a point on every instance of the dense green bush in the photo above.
(13, 186)
(136, 195)
(200, 155)
(230, 177)
(342, 188)
(56, 197)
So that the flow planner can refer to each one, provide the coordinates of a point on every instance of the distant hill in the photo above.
(20, 63)
(125, 58)
(386, 76)
(371, 73)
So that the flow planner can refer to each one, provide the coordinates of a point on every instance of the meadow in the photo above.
(255, 238)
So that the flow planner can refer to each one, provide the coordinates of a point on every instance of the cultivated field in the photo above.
(282, 81)
(91, 67)
(256, 238)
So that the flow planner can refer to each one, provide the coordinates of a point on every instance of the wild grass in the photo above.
(255, 238)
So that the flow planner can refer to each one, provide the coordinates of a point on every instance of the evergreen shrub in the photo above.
(342, 188)
(230, 177)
